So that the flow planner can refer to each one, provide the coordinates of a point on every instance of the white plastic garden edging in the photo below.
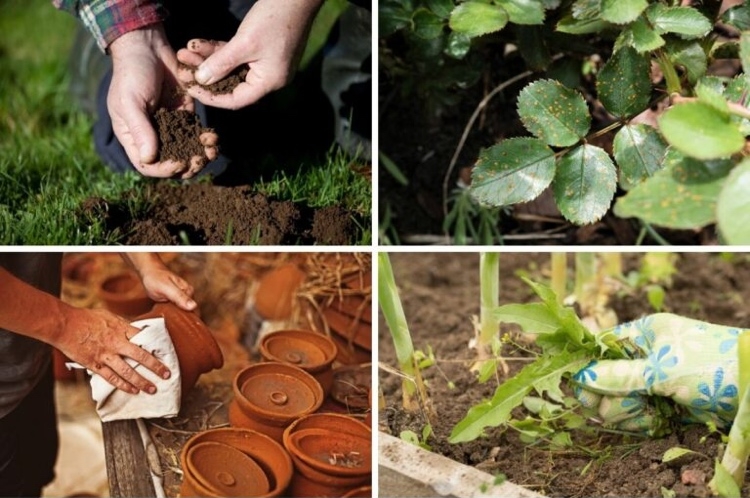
(406, 470)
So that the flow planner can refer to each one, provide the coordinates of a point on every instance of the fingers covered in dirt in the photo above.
(99, 340)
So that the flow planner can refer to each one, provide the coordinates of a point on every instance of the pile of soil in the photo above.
(201, 214)
(179, 135)
(440, 293)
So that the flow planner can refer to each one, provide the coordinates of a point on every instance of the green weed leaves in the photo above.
(622, 11)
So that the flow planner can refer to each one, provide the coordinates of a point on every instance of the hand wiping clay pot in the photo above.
(197, 350)
(270, 396)
(264, 453)
(312, 352)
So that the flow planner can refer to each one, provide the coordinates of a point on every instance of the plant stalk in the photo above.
(612, 264)
(489, 275)
(738, 447)
(585, 282)
(559, 277)
(393, 312)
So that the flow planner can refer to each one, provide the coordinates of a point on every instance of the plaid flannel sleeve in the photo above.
(109, 19)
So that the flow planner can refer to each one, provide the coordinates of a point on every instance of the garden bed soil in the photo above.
(204, 214)
(440, 293)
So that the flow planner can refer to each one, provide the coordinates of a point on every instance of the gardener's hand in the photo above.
(160, 283)
(99, 341)
(144, 79)
(694, 363)
(270, 41)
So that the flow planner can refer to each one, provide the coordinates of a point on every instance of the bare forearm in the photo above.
(143, 262)
(29, 311)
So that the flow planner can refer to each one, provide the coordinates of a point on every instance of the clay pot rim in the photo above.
(345, 424)
(273, 418)
(348, 368)
(109, 295)
(326, 478)
(357, 307)
(360, 491)
(282, 479)
(361, 334)
(325, 344)
(254, 470)
(296, 450)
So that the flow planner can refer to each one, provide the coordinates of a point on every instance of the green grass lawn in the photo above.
(48, 165)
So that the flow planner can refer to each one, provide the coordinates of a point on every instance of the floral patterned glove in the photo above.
(694, 363)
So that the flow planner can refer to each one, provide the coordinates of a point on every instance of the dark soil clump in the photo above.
(333, 225)
(203, 214)
(440, 293)
(226, 84)
(179, 135)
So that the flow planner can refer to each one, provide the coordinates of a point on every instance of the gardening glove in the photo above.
(691, 362)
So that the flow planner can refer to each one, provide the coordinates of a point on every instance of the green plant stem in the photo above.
(612, 264)
(670, 73)
(738, 447)
(393, 312)
(585, 281)
(489, 276)
(654, 234)
(559, 277)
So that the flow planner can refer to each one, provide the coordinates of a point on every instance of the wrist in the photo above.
(143, 262)
(151, 37)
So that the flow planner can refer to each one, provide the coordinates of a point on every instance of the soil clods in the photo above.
(179, 135)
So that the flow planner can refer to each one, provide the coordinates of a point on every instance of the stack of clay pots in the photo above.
(288, 388)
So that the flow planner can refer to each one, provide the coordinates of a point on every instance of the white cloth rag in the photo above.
(114, 404)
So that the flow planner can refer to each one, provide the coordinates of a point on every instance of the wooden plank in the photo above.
(412, 471)
(127, 465)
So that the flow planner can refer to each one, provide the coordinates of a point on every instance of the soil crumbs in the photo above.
(179, 135)
(440, 293)
(203, 214)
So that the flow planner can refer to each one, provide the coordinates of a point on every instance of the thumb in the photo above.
(220, 63)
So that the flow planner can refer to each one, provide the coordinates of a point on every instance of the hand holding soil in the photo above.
(269, 42)
(144, 78)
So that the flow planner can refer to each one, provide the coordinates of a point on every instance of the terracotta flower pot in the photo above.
(79, 268)
(357, 307)
(312, 352)
(124, 295)
(350, 329)
(362, 492)
(332, 452)
(351, 386)
(269, 455)
(274, 297)
(311, 481)
(197, 350)
(270, 396)
(223, 470)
